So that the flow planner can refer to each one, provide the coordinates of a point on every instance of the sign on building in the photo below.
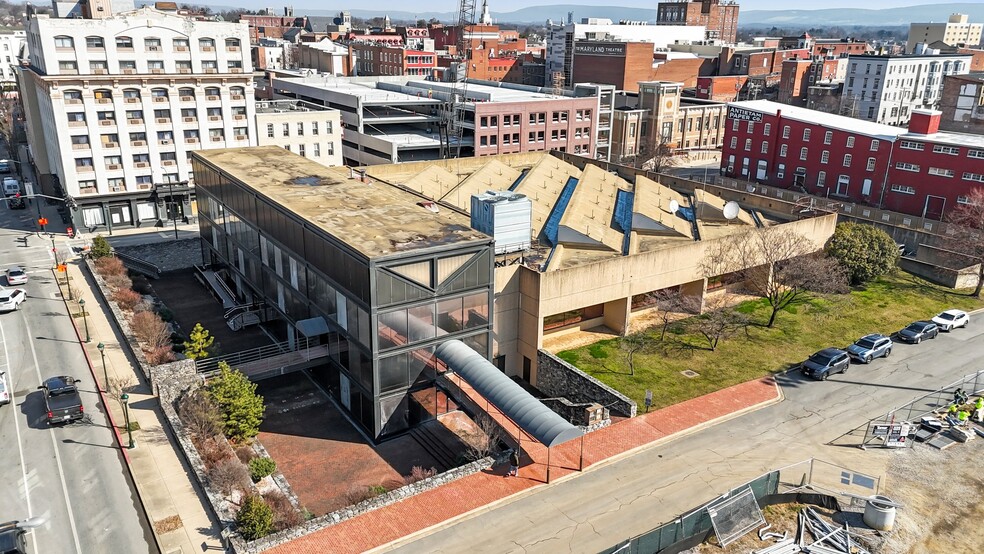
(742, 114)
(600, 48)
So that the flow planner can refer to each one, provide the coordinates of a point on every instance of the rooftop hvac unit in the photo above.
(506, 216)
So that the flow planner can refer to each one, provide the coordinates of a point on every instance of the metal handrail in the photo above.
(150, 268)
(238, 358)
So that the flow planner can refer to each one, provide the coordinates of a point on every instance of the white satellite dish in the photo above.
(731, 210)
(674, 206)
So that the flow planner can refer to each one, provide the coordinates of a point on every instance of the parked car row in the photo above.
(830, 361)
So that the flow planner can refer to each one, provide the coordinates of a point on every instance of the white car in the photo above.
(951, 319)
(10, 299)
(4, 389)
(16, 276)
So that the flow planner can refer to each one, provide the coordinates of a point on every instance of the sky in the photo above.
(512, 5)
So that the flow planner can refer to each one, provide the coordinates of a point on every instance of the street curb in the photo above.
(519, 495)
(107, 411)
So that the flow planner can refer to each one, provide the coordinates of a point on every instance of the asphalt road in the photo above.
(72, 475)
(614, 502)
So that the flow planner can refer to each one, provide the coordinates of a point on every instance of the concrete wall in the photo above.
(555, 377)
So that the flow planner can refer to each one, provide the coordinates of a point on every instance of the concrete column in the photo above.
(696, 289)
(759, 278)
(617, 313)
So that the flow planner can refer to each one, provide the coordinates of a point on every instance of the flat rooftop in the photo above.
(375, 219)
(281, 106)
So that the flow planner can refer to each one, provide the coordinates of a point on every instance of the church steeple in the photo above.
(486, 16)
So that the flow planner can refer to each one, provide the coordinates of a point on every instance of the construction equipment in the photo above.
(452, 125)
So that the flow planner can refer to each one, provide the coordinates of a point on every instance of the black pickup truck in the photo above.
(62, 400)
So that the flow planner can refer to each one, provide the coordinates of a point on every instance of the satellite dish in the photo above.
(674, 206)
(731, 210)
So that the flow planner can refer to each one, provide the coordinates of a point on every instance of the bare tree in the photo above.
(485, 441)
(9, 109)
(720, 321)
(656, 155)
(965, 234)
(633, 344)
(670, 302)
(777, 263)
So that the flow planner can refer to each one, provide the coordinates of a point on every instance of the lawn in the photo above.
(883, 306)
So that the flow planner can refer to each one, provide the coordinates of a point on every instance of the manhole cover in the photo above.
(690, 373)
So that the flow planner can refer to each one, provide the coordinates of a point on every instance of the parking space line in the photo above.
(61, 470)
(20, 447)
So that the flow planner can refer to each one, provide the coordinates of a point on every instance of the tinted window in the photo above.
(864, 343)
(821, 359)
(947, 316)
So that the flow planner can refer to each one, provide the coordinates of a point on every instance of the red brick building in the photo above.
(379, 59)
(503, 126)
(721, 88)
(273, 26)
(719, 18)
(798, 76)
(624, 64)
(918, 171)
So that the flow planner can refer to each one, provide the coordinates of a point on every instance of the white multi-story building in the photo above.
(114, 106)
(957, 30)
(11, 47)
(886, 89)
(310, 130)
(560, 40)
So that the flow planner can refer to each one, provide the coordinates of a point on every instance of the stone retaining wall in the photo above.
(168, 255)
(557, 378)
(576, 413)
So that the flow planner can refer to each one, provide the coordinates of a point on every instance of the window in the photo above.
(75, 96)
(301, 149)
(152, 44)
(785, 132)
(903, 189)
(734, 142)
(155, 65)
(82, 141)
(963, 200)
(905, 166)
(76, 117)
(750, 128)
(941, 172)
(734, 125)
(135, 115)
(850, 142)
(951, 150)
(180, 44)
(269, 130)
(191, 135)
(232, 44)
(765, 147)
(973, 177)
(910, 145)
(88, 187)
(286, 132)
(874, 145)
(871, 165)
(159, 93)
(300, 129)
(828, 137)
(64, 42)
(767, 129)
(235, 66)
(141, 158)
(782, 151)
(83, 163)
(317, 150)
(821, 178)
(803, 153)
(124, 43)
(748, 145)
(806, 135)
(183, 66)
(314, 128)
(68, 66)
(206, 44)
(979, 154)
(847, 160)
(94, 42)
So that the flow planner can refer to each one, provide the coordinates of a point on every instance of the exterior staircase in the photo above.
(432, 436)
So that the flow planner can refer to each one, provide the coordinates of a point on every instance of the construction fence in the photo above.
(810, 482)
(875, 431)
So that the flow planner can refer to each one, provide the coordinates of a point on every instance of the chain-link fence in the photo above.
(878, 430)
(811, 480)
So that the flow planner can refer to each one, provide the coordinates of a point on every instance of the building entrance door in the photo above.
(933, 209)
(842, 184)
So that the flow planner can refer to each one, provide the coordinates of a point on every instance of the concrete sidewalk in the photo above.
(173, 502)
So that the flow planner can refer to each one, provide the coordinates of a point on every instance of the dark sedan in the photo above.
(919, 330)
(825, 363)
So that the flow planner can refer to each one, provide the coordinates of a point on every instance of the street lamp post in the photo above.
(124, 398)
(102, 354)
(85, 320)
(54, 249)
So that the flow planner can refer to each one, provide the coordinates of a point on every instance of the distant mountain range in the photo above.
(758, 18)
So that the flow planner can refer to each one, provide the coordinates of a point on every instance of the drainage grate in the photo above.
(689, 373)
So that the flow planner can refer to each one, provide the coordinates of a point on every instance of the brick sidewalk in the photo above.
(443, 504)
